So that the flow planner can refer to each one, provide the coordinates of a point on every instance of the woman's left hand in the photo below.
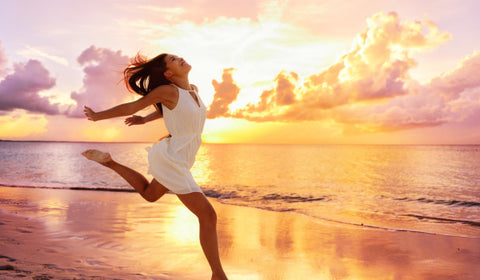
(133, 120)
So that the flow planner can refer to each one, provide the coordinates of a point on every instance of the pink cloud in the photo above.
(452, 97)
(20, 89)
(102, 83)
(465, 76)
(404, 112)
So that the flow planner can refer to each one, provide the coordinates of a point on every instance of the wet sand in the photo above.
(73, 234)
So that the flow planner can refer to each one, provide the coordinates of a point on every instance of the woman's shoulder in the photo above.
(165, 91)
(166, 94)
(194, 87)
(165, 88)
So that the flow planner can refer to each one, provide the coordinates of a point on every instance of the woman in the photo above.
(163, 82)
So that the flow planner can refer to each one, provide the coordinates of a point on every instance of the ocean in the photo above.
(428, 189)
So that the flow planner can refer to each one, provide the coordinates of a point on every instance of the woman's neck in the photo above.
(182, 83)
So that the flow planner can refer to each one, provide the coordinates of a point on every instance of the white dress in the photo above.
(172, 158)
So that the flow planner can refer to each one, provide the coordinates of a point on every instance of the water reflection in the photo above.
(121, 230)
(183, 226)
(287, 246)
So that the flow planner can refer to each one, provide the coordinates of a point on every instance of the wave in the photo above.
(420, 217)
(438, 201)
(292, 198)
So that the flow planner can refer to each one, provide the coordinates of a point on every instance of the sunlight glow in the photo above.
(184, 227)
(21, 124)
(106, 134)
(228, 131)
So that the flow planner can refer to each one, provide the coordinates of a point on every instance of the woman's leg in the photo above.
(150, 191)
(201, 207)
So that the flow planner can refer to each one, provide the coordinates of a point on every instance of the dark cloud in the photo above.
(20, 89)
(102, 85)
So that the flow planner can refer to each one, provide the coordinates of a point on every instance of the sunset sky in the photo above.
(296, 72)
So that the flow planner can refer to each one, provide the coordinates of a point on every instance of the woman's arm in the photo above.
(163, 94)
(133, 120)
(117, 111)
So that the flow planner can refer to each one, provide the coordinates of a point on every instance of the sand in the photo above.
(73, 234)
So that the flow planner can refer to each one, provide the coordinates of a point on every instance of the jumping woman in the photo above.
(163, 82)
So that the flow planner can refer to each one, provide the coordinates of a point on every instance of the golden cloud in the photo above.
(369, 88)
(225, 93)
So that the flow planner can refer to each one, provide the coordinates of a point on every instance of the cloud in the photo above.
(225, 93)
(376, 67)
(275, 101)
(406, 112)
(102, 86)
(451, 97)
(465, 76)
(20, 89)
(369, 88)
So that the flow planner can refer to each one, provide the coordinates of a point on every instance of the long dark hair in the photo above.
(143, 75)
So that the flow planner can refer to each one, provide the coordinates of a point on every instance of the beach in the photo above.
(82, 234)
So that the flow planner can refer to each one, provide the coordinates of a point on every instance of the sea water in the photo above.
(429, 189)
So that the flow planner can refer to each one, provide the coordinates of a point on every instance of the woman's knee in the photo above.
(150, 198)
(208, 215)
(154, 191)
(200, 206)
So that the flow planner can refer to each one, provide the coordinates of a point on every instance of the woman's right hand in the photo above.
(134, 120)
(89, 113)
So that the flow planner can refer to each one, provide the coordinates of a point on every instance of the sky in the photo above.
(275, 72)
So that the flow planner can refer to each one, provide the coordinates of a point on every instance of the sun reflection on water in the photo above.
(183, 227)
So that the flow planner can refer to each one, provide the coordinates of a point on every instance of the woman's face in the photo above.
(177, 65)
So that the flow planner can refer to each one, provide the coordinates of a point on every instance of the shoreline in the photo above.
(116, 235)
(212, 195)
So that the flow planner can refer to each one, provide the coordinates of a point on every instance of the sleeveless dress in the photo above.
(171, 159)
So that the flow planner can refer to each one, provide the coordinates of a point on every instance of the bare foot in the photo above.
(97, 156)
